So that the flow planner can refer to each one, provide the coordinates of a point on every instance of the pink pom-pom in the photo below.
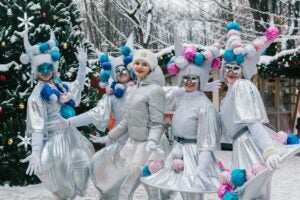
(281, 137)
(109, 90)
(272, 33)
(223, 189)
(225, 178)
(208, 55)
(216, 63)
(258, 44)
(190, 53)
(233, 32)
(249, 174)
(177, 165)
(258, 167)
(63, 98)
(155, 165)
(173, 69)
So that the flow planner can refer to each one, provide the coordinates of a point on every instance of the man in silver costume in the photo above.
(243, 114)
(59, 157)
(196, 132)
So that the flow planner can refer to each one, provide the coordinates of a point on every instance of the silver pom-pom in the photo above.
(24, 58)
(238, 50)
(181, 62)
(53, 99)
(121, 86)
(103, 84)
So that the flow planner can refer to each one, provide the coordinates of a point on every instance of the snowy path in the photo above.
(286, 185)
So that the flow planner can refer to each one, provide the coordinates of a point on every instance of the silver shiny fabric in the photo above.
(195, 118)
(65, 153)
(241, 105)
(107, 168)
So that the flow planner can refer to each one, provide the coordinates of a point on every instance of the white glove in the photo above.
(212, 86)
(82, 59)
(35, 165)
(102, 140)
(151, 146)
(59, 124)
(273, 162)
(34, 159)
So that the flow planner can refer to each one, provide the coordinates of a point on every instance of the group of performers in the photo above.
(136, 95)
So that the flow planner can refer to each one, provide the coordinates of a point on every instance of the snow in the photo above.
(285, 185)
(5, 67)
(268, 59)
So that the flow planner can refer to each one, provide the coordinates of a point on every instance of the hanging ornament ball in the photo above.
(10, 141)
(3, 44)
(65, 45)
(9, 12)
(43, 14)
(21, 106)
(1, 109)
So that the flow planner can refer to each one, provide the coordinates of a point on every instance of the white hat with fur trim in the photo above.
(246, 55)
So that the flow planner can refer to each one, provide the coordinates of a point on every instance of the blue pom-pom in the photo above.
(292, 139)
(55, 55)
(104, 75)
(238, 177)
(240, 58)
(46, 92)
(170, 62)
(44, 47)
(119, 92)
(56, 92)
(106, 65)
(71, 102)
(146, 171)
(65, 86)
(127, 60)
(233, 25)
(125, 50)
(104, 58)
(199, 59)
(67, 111)
(113, 84)
(230, 196)
(228, 55)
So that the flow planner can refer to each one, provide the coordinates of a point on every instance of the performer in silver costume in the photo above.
(196, 131)
(144, 120)
(59, 157)
(243, 114)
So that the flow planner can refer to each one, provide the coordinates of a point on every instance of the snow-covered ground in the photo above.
(285, 185)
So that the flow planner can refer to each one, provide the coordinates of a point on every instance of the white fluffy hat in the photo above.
(147, 56)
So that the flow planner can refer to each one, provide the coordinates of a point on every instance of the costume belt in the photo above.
(184, 140)
(239, 133)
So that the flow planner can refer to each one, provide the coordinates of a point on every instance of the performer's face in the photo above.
(191, 83)
(45, 71)
(232, 72)
(123, 75)
(141, 69)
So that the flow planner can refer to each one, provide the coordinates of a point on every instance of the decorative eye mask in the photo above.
(192, 79)
(45, 68)
(121, 70)
(236, 69)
